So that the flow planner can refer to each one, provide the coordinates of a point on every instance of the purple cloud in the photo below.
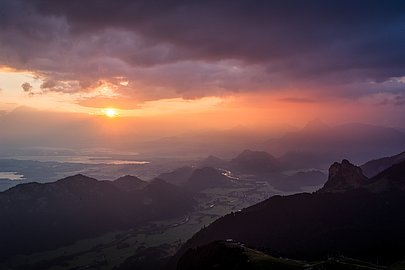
(201, 48)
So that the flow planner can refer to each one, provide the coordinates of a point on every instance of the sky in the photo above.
(184, 65)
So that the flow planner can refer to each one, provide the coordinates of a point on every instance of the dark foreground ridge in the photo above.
(350, 216)
(232, 255)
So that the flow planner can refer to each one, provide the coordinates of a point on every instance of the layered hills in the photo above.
(42, 216)
(352, 216)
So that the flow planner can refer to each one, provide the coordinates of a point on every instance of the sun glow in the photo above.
(110, 112)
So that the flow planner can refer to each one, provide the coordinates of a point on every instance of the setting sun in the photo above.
(110, 112)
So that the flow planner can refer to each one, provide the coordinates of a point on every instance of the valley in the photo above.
(160, 238)
(215, 193)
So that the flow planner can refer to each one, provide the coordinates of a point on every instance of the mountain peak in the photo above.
(77, 178)
(212, 161)
(344, 176)
(250, 154)
(255, 162)
(128, 178)
(129, 183)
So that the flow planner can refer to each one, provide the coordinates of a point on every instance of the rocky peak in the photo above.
(344, 176)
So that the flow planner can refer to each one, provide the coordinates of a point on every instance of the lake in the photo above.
(11, 175)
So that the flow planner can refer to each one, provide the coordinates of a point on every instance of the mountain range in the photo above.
(197, 179)
(264, 166)
(352, 215)
(246, 162)
(43, 216)
(211, 172)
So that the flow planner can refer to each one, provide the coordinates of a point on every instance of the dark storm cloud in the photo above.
(357, 34)
(194, 48)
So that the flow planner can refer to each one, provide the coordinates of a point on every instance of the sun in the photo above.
(110, 112)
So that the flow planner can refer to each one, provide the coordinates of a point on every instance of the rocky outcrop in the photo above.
(344, 176)
(352, 215)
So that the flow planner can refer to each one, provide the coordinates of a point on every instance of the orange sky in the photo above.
(256, 109)
(216, 66)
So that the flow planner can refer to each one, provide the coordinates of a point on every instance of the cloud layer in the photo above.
(148, 50)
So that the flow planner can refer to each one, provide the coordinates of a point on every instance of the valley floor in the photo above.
(158, 239)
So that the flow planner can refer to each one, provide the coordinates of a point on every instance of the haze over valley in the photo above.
(162, 135)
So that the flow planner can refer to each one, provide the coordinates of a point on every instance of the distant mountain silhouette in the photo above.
(248, 161)
(214, 162)
(309, 158)
(178, 176)
(207, 178)
(255, 162)
(392, 179)
(196, 179)
(374, 167)
(326, 143)
(299, 180)
(365, 221)
(42, 216)
(129, 183)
